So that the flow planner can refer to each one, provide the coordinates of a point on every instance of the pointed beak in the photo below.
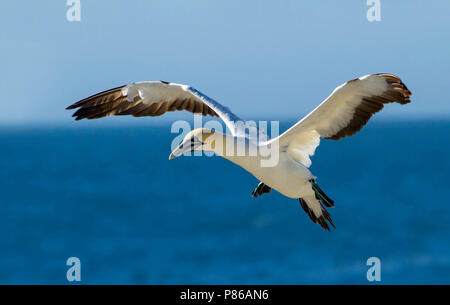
(177, 152)
(184, 148)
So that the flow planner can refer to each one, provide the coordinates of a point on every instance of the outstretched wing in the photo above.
(153, 98)
(343, 113)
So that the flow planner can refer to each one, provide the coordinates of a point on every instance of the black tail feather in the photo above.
(322, 219)
(321, 196)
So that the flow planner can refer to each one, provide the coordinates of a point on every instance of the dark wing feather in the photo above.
(114, 102)
(397, 92)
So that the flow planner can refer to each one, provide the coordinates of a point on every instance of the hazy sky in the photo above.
(265, 59)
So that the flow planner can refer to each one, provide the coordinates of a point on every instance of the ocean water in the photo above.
(110, 197)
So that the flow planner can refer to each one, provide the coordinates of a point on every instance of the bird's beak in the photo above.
(176, 152)
(183, 148)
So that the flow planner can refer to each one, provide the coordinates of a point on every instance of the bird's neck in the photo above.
(235, 149)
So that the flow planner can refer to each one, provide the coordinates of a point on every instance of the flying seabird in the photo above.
(343, 113)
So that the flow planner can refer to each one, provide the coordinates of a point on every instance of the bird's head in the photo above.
(197, 139)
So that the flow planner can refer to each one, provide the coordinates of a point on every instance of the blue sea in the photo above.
(110, 196)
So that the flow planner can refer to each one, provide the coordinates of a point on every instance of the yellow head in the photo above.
(197, 139)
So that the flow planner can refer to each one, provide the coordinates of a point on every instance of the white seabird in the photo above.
(343, 113)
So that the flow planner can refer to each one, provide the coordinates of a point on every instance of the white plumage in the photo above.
(343, 113)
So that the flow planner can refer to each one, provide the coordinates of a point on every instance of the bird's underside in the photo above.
(320, 196)
(343, 113)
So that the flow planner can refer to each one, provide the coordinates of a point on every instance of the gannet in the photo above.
(343, 113)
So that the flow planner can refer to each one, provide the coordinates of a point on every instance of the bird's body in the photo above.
(288, 176)
(281, 163)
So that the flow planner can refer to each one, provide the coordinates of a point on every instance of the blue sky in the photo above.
(263, 59)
